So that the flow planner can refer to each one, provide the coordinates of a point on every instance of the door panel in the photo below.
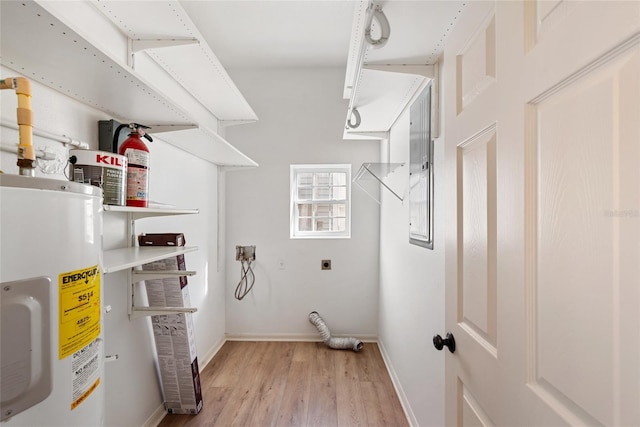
(476, 63)
(581, 211)
(477, 291)
(471, 412)
(543, 181)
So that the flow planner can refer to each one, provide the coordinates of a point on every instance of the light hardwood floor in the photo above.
(258, 384)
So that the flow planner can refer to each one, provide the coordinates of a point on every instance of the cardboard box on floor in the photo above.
(174, 334)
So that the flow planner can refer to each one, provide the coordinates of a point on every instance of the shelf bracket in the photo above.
(375, 173)
(140, 275)
(137, 45)
(171, 128)
(136, 312)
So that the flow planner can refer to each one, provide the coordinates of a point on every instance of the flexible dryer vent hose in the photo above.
(342, 343)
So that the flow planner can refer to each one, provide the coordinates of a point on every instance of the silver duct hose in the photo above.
(348, 343)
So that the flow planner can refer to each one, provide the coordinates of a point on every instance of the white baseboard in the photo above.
(291, 337)
(210, 354)
(156, 417)
(406, 407)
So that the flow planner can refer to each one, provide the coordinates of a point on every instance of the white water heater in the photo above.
(52, 353)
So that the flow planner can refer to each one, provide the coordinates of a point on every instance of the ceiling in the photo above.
(275, 34)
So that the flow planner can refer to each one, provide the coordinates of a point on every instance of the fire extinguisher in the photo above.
(137, 155)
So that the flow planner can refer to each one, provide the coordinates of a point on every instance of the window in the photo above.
(320, 201)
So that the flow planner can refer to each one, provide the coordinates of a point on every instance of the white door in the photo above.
(542, 134)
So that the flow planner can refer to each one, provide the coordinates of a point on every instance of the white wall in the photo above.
(412, 290)
(132, 386)
(301, 115)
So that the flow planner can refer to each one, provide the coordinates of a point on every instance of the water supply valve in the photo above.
(245, 253)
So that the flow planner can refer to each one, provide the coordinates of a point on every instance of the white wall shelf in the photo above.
(382, 81)
(132, 256)
(51, 50)
(171, 22)
(126, 258)
(138, 213)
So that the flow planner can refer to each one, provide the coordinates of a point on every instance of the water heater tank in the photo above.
(51, 347)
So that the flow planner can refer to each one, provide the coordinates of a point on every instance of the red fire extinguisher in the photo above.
(137, 155)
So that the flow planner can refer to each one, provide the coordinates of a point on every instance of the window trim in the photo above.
(294, 169)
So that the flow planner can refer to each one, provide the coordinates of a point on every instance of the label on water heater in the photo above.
(85, 372)
(79, 302)
(137, 174)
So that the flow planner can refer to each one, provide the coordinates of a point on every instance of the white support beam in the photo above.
(227, 123)
(435, 102)
(419, 70)
(369, 135)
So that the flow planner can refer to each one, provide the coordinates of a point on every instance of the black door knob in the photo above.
(448, 342)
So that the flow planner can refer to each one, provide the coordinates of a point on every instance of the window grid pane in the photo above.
(321, 201)
(322, 186)
(304, 224)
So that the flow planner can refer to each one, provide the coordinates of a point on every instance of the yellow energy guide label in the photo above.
(79, 303)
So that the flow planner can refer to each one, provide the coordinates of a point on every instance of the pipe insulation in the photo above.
(26, 152)
(341, 343)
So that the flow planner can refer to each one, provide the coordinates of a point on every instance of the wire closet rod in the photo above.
(49, 135)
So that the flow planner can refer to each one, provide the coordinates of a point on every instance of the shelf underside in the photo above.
(170, 21)
(381, 98)
(125, 258)
(138, 213)
(37, 44)
(416, 41)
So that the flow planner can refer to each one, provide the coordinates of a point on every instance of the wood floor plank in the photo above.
(266, 384)
(226, 369)
(248, 381)
(323, 406)
(272, 389)
(350, 405)
(384, 387)
(372, 368)
(304, 352)
(295, 402)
